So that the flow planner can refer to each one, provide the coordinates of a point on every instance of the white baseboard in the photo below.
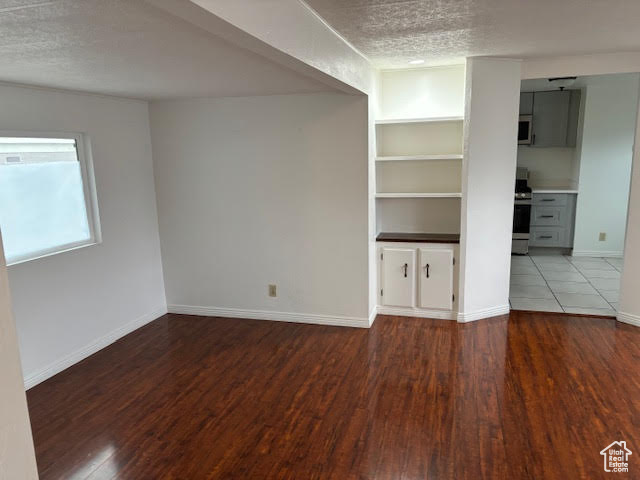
(373, 315)
(628, 318)
(65, 362)
(596, 253)
(415, 312)
(464, 317)
(335, 320)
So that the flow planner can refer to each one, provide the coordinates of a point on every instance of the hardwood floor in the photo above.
(525, 396)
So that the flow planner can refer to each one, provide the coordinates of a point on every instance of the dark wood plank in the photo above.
(525, 396)
(418, 237)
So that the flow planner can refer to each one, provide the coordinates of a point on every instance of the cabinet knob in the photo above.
(426, 267)
(405, 270)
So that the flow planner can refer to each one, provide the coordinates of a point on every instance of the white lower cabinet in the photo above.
(398, 277)
(435, 279)
(417, 280)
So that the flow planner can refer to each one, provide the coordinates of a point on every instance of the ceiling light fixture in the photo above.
(416, 62)
(562, 82)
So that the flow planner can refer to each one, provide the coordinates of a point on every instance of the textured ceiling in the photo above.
(129, 48)
(393, 32)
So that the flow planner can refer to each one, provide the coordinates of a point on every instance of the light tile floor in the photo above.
(560, 283)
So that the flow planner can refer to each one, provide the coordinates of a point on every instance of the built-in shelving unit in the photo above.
(418, 190)
(419, 174)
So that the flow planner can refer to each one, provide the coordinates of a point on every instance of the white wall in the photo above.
(491, 119)
(605, 164)
(264, 190)
(418, 215)
(304, 39)
(374, 102)
(71, 304)
(420, 93)
(577, 151)
(17, 457)
(629, 310)
(549, 167)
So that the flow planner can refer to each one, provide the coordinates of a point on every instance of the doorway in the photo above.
(575, 170)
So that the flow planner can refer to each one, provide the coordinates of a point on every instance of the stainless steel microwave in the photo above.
(525, 129)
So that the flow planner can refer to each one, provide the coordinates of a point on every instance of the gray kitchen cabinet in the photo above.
(526, 103)
(555, 118)
(552, 220)
(550, 118)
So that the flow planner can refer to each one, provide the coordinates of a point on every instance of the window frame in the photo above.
(85, 159)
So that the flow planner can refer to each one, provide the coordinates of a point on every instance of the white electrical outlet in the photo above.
(602, 237)
(273, 291)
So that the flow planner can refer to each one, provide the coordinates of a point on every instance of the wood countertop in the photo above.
(418, 237)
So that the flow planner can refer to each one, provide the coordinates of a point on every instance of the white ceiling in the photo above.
(393, 32)
(130, 48)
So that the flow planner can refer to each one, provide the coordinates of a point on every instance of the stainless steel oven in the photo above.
(521, 213)
(521, 222)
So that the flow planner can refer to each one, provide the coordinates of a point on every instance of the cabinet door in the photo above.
(526, 103)
(398, 277)
(550, 118)
(436, 279)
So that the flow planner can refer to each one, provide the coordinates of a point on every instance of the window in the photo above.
(47, 195)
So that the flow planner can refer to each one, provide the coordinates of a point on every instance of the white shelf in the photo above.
(418, 195)
(418, 120)
(410, 158)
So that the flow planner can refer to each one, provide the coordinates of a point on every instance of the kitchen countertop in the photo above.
(418, 237)
(554, 190)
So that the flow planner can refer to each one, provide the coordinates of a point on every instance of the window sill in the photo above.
(40, 256)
